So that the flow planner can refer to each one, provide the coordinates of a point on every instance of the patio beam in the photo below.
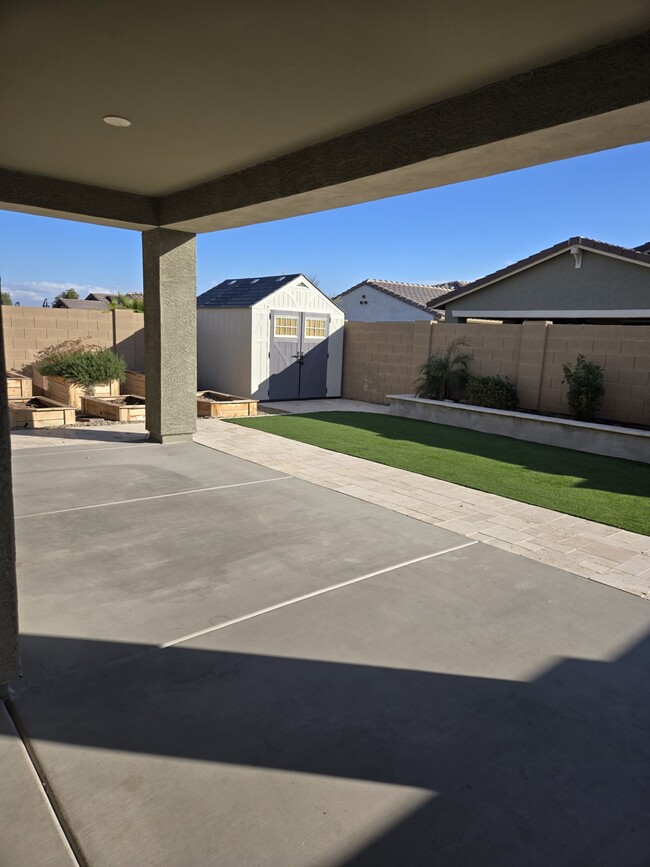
(169, 279)
(53, 197)
(9, 659)
(591, 101)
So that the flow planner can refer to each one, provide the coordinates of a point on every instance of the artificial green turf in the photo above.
(609, 490)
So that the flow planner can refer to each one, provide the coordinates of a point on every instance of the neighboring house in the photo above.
(94, 301)
(78, 304)
(389, 301)
(576, 281)
(271, 338)
(108, 298)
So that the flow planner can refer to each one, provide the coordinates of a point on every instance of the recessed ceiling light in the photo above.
(115, 120)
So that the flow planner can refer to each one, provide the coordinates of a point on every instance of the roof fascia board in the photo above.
(552, 314)
(70, 200)
(629, 259)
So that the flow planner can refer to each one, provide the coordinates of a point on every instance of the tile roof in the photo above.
(106, 297)
(421, 295)
(243, 292)
(78, 304)
(636, 254)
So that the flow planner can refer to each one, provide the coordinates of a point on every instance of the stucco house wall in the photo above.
(602, 283)
(380, 307)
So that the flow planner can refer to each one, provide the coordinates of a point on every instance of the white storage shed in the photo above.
(270, 338)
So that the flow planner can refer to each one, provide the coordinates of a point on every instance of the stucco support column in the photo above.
(169, 268)
(9, 662)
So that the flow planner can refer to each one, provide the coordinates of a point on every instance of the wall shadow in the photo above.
(553, 771)
(81, 434)
(614, 475)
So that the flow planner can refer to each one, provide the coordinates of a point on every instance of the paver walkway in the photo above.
(615, 557)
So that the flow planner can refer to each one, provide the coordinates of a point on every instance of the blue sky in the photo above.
(459, 232)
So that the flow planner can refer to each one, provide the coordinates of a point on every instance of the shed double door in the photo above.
(298, 355)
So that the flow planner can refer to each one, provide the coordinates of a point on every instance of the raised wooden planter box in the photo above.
(134, 383)
(598, 439)
(39, 412)
(215, 404)
(18, 385)
(125, 408)
(39, 382)
(71, 394)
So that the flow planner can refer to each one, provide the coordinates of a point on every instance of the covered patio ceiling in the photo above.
(250, 111)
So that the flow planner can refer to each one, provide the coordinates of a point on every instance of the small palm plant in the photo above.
(445, 371)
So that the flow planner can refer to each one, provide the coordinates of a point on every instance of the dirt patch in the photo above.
(32, 403)
(216, 397)
(127, 400)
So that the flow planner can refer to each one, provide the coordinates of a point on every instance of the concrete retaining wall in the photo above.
(383, 358)
(597, 439)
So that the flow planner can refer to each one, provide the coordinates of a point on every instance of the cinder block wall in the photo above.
(624, 352)
(383, 358)
(28, 330)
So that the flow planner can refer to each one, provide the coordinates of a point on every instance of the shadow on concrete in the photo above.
(100, 433)
(548, 772)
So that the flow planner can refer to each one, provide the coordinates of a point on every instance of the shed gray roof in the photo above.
(243, 292)
(421, 295)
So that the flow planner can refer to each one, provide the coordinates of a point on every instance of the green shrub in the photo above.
(444, 372)
(496, 392)
(84, 365)
(126, 302)
(586, 388)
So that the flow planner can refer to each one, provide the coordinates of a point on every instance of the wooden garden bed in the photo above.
(125, 408)
(31, 413)
(18, 385)
(215, 404)
(134, 383)
(71, 394)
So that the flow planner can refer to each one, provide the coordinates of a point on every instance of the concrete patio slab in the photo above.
(169, 562)
(21, 795)
(72, 478)
(476, 708)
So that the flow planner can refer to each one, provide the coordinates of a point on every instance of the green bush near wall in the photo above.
(496, 392)
(84, 365)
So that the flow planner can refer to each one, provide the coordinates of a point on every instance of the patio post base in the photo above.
(170, 438)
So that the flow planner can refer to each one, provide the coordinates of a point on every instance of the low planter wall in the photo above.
(215, 404)
(124, 408)
(71, 394)
(18, 385)
(599, 439)
(30, 413)
(134, 383)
